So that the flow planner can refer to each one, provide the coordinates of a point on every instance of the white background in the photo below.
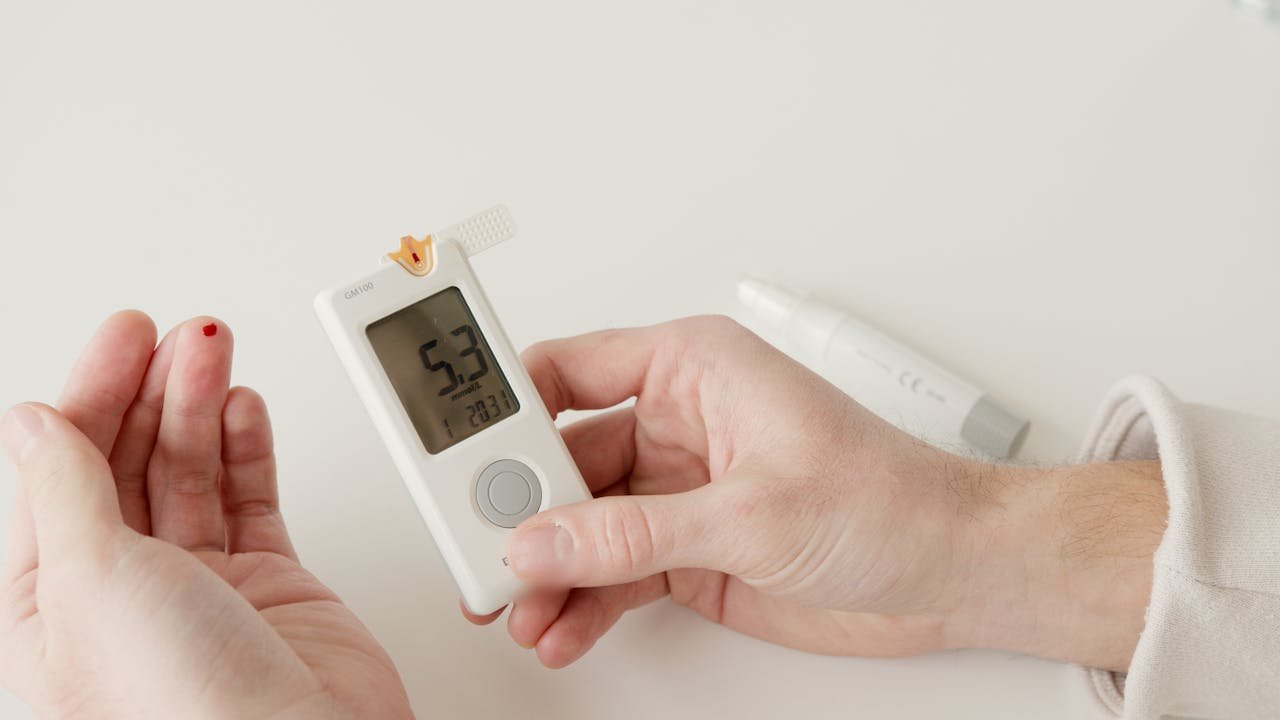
(1046, 195)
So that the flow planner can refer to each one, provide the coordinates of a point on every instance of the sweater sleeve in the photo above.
(1210, 647)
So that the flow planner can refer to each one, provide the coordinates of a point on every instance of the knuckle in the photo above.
(708, 339)
(97, 559)
(193, 407)
(49, 480)
(247, 445)
(194, 481)
(131, 484)
(58, 469)
(627, 535)
(105, 400)
(715, 326)
(253, 508)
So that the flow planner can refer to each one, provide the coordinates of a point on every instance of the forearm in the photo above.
(1060, 561)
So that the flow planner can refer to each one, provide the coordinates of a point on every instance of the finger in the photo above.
(589, 614)
(137, 438)
(603, 447)
(23, 642)
(251, 501)
(182, 480)
(105, 379)
(591, 371)
(20, 550)
(68, 485)
(612, 540)
(533, 614)
(479, 619)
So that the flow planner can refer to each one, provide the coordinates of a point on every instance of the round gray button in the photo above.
(507, 492)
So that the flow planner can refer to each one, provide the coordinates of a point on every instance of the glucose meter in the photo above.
(460, 417)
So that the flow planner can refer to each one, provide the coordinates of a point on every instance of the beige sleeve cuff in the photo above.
(1211, 644)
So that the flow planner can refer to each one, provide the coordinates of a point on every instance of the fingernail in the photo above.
(541, 551)
(19, 427)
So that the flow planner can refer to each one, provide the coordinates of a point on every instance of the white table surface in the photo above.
(1047, 195)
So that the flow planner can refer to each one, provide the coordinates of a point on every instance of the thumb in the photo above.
(68, 482)
(618, 539)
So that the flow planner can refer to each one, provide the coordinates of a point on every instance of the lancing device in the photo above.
(855, 355)
(452, 401)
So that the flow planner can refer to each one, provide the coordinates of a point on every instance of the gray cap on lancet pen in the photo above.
(992, 429)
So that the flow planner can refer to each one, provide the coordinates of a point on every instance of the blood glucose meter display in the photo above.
(442, 369)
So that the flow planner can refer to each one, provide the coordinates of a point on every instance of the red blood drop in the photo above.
(416, 259)
(210, 330)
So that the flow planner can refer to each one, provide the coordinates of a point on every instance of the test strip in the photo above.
(481, 231)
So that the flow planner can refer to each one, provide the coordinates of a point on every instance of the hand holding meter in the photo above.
(453, 403)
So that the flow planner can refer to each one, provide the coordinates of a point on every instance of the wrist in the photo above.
(1059, 560)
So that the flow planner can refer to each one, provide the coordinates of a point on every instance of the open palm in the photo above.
(148, 572)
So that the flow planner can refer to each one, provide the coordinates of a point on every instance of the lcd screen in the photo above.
(442, 369)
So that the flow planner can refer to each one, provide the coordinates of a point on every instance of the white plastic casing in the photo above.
(443, 486)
